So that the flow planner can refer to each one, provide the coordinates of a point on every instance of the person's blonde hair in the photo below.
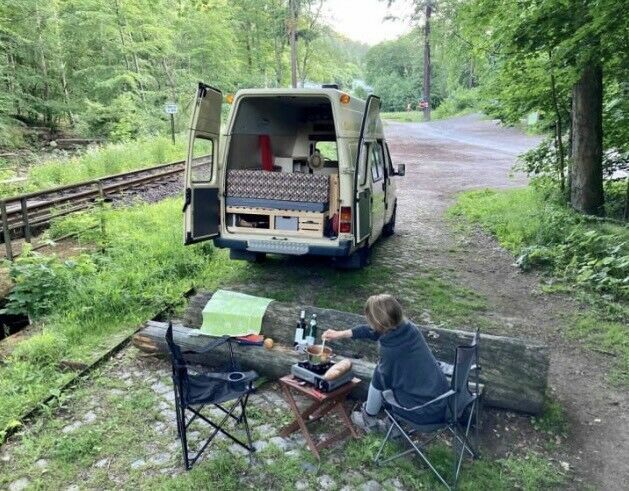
(383, 312)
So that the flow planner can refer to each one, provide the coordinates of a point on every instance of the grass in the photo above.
(587, 259)
(87, 304)
(97, 162)
(145, 268)
(125, 430)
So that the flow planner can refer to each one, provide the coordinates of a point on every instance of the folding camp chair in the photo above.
(462, 407)
(193, 391)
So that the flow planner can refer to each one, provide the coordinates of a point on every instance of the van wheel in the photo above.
(389, 228)
(357, 260)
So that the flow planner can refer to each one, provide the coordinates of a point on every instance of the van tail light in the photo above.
(346, 220)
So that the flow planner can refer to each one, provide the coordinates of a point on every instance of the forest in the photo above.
(105, 69)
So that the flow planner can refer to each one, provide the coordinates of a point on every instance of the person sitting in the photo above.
(406, 365)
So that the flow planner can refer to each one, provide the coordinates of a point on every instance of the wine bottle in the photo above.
(312, 331)
(299, 334)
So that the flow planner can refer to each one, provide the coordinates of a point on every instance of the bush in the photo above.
(460, 101)
(541, 232)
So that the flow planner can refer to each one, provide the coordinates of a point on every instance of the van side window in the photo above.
(389, 164)
(202, 157)
(362, 164)
(376, 162)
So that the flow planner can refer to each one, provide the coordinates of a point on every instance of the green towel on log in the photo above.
(233, 314)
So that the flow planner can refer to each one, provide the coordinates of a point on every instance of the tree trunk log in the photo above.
(586, 192)
(514, 371)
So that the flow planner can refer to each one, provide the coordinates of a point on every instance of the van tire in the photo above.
(357, 260)
(389, 228)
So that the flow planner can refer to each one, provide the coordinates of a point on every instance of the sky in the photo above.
(363, 20)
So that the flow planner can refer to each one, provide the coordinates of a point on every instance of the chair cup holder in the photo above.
(236, 376)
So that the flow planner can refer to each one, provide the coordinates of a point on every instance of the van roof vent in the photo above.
(330, 86)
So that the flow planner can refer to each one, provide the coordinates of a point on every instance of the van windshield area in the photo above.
(282, 166)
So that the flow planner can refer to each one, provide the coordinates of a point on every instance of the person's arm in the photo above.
(365, 332)
(332, 334)
(359, 332)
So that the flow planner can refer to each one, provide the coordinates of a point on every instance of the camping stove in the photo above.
(313, 374)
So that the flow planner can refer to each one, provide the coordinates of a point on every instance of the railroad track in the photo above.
(21, 215)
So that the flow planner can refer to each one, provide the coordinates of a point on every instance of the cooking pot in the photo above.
(318, 357)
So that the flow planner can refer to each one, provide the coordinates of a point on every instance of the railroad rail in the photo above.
(20, 215)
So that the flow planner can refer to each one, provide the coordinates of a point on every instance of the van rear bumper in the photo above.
(342, 249)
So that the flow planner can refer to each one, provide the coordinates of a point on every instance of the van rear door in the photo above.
(370, 130)
(202, 204)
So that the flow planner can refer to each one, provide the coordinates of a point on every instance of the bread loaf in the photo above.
(338, 369)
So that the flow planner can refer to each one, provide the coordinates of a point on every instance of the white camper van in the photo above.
(298, 171)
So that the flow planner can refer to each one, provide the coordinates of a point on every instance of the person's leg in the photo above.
(367, 418)
(374, 401)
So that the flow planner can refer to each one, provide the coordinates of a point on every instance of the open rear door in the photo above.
(370, 130)
(202, 205)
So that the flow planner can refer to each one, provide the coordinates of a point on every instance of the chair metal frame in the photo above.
(180, 380)
(459, 389)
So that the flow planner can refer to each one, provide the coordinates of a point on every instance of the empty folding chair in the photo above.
(194, 391)
(462, 408)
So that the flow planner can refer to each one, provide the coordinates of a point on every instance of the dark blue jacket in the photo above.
(408, 367)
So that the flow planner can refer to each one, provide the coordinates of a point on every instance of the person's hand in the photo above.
(331, 334)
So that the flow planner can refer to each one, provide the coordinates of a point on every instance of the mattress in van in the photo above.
(279, 190)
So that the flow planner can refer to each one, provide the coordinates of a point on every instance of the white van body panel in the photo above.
(280, 114)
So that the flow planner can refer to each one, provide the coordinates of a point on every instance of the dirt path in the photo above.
(447, 157)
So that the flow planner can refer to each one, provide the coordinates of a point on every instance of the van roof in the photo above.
(349, 116)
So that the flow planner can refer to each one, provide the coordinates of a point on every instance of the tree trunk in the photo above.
(586, 194)
(558, 129)
(427, 67)
(293, 43)
(515, 371)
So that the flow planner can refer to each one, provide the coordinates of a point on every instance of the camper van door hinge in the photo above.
(187, 200)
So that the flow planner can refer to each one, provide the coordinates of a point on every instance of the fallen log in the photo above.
(514, 371)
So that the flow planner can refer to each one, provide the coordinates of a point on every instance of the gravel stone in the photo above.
(89, 417)
(237, 450)
(138, 463)
(396, 484)
(260, 445)
(371, 486)
(326, 482)
(19, 485)
(301, 485)
(101, 463)
(72, 427)
(41, 464)
(161, 388)
(281, 443)
(160, 459)
(266, 430)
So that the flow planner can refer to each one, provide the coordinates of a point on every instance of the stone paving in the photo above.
(160, 454)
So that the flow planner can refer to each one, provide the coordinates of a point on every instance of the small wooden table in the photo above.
(324, 403)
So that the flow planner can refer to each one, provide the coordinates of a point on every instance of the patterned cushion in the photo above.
(312, 188)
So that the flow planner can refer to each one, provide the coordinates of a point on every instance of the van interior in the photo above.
(282, 172)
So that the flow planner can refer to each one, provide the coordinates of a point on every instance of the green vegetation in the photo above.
(131, 425)
(86, 304)
(587, 257)
(107, 68)
(463, 101)
(553, 420)
(93, 301)
(98, 162)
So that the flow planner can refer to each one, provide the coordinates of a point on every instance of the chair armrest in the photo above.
(215, 343)
(390, 398)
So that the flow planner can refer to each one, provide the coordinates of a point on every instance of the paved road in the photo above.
(444, 158)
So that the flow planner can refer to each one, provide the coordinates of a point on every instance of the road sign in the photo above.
(170, 108)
